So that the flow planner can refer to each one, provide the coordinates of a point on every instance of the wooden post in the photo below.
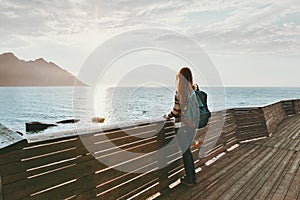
(250, 123)
(288, 107)
(273, 114)
(8, 138)
(297, 106)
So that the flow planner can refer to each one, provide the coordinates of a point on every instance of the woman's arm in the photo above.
(175, 112)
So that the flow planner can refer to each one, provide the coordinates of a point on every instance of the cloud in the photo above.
(253, 30)
(233, 32)
(251, 26)
(70, 17)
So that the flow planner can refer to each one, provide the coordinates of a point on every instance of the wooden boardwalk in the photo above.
(141, 160)
(261, 169)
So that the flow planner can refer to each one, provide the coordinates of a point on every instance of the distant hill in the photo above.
(16, 72)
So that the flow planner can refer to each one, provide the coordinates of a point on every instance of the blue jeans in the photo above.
(189, 167)
(185, 137)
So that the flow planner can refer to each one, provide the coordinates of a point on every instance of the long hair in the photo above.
(184, 80)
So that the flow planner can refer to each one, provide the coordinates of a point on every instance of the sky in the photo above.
(251, 43)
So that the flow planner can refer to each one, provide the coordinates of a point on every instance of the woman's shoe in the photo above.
(186, 182)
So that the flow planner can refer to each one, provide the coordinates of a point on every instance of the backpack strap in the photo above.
(196, 87)
(190, 111)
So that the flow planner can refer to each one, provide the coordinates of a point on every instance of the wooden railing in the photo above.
(121, 163)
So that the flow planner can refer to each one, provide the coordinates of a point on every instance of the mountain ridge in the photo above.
(39, 72)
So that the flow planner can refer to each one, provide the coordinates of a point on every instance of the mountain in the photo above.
(16, 72)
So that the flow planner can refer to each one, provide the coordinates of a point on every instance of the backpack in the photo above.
(205, 114)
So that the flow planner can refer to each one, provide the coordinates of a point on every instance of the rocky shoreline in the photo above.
(40, 126)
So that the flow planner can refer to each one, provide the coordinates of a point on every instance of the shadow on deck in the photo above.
(261, 169)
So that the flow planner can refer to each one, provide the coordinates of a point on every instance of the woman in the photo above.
(186, 107)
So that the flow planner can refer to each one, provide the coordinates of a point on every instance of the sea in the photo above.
(121, 105)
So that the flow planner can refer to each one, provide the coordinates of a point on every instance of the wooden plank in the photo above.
(277, 183)
(123, 136)
(168, 175)
(130, 166)
(137, 131)
(26, 187)
(115, 182)
(211, 174)
(213, 140)
(294, 145)
(231, 178)
(265, 142)
(148, 193)
(286, 143)
(59, 161)
(112, 177)
(8, 137)
(251, 121)
(295, 135)
(275, 141)
(298, 147)
(251, 188)
(283, 188)
(67, 134)
(140, 187)
(280, 142)
(252, 134)
(118, 141)
(142, 164)
(170, 172)
(243, 138)
(212, 154)
(213, 135)
(7, 154)
(128, 184)
(289, 124)
(294, 188)
(175, 170)
(288, 107)
(209, 179)
(297, 106)
(11, 156)
(179, 174)
(49, 146)
(90, 194)
(105, 143)
(81, 188)
(23, 166)
(179, 165)
(273, 180)
(140, 145)
(246, 186)
(129, 158)
(289, 129)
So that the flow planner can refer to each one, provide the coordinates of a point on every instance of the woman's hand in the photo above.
(166, 116)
